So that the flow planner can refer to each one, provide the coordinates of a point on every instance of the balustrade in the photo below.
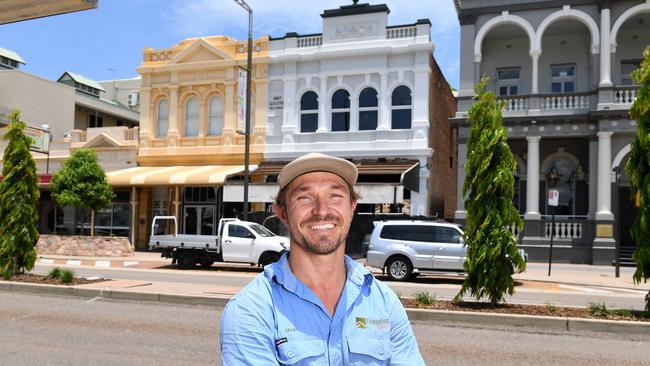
(401, 32)
(310, 41)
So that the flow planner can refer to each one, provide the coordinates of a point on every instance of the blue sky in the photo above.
(106, 43)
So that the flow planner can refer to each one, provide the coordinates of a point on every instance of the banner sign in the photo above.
(553, 197)
(40, 137)
(241, 100)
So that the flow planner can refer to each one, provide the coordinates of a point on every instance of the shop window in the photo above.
(309, 112)
(368, 109)
(341, 110)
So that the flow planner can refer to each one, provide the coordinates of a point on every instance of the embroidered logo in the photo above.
(362, 323)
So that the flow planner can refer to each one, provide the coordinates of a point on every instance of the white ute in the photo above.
(238, 241)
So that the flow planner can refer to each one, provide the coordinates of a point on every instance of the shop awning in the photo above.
(206, 175)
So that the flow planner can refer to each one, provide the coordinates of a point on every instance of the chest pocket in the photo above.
(301, 352)
(369, 351)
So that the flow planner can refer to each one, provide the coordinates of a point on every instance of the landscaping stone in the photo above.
(84, 246)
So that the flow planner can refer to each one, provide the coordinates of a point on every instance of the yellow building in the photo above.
(189, 139)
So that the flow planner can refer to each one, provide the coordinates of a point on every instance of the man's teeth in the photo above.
(322, 227)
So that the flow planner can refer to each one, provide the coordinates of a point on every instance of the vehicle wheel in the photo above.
(399, 268)
(186, 260)
(207, 263)
(268, 258)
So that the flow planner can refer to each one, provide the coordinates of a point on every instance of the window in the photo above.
(627, 67)
(95, 121)
(239, 232)
(192, 117)
(368, 109)
(401, 108)
(447, 235)
(508, 81)
(421, 233)
(563, 78)
(309, 112)
(341, 110)
(162, 118)
(215, 116)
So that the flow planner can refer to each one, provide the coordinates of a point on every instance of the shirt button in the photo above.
(381, 350)
(290, 354)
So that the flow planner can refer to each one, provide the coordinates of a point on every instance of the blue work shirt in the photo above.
(276, 319)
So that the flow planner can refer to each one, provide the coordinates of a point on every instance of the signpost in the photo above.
(553, 201)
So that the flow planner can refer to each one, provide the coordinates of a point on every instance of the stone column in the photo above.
(468, 63)
(322, 105)
(535, 54)
(229, 113)
(384, 103)
(419, 204)
(172, 133)
(462, 160)
(605, 47)
(532, 179)
(593, 182)
(146, 122)
(354, 113)
(604, 198)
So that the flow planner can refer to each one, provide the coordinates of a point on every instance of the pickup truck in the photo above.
(238, 241)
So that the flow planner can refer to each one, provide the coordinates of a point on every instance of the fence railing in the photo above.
(401, 32)
(563, 230)
(515, 104)
(625, 95)
(310, 41)
(558, 102)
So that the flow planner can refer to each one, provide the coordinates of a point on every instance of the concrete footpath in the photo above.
(215, 295)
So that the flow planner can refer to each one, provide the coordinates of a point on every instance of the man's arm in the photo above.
(246, 335)
(404, 347)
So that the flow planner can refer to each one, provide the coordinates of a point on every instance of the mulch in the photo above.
(521, 309)
(32, 278)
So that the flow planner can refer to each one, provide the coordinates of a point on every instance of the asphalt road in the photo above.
(49, 330)
(444, 287)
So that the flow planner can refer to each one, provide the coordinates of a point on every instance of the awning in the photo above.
(206, 175)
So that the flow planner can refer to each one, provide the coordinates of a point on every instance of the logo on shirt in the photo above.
(362, 323)
(379, 324)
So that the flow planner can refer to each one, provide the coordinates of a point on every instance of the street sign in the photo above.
(241, 101)
(553, 197)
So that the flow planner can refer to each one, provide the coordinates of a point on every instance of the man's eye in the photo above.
(303, 198)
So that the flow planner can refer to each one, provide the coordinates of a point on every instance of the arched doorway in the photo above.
(625, 211)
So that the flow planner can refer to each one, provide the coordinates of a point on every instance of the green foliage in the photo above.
(550, 307)
(424, 298)
(18, 199)
(626, 313)
(598, 310)
(54, 273)
(66, 276)
(81, 182)
(638, 171)
(489, 188)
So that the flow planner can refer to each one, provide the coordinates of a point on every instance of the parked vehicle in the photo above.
(405, 248)
(238, 241)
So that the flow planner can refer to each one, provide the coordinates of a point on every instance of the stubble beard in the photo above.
(324, 244)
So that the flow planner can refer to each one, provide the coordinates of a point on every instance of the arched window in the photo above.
(341, 110)
(162, 118)
(570, 180)
(309, 112)
(368, 109)
(215, 116)
(192, 117)
(401, 108)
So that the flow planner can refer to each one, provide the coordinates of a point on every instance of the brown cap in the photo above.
(316, 162)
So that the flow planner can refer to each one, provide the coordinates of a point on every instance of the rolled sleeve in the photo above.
(246, 337)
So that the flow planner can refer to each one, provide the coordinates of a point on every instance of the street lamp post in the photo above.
(247, 132)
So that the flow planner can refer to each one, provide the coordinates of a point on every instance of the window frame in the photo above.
(401, 107)
(186, 115)
(159, 119)
(361, 109)
(345, 111)
(308, 112)
(508, 83)
(211, 115)
(563, 80)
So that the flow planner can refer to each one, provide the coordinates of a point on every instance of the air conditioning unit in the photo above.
(133, 99)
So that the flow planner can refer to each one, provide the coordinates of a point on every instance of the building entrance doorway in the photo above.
(199, 220)
(626, 217)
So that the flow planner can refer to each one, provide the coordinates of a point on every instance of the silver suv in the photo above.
(405, 248)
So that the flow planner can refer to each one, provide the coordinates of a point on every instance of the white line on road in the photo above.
(46, 261)
(73, 262)
(130, 263)
(585, 289)
(103, 264)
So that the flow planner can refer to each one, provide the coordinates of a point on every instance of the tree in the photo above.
(489, 188)
(81, 183)
(18, 199)
(638, 171)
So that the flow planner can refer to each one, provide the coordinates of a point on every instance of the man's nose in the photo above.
(320, 206)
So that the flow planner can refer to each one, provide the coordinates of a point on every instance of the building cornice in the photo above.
(468, 16)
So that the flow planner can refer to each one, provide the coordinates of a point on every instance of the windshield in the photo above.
(261, 230)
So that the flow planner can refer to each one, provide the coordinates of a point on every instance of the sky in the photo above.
(106, 43)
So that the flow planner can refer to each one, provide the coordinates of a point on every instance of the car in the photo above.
(405, 248)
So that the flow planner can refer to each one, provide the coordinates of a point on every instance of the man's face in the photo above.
(318, 211)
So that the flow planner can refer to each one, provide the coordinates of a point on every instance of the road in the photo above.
(444, 287)
(50, 330)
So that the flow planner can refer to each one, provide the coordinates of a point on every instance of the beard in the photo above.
(321, 245)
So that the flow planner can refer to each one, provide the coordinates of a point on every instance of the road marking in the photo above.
(103, 264)
(130, 263)
(73, 262)
(639, 292)
(585, 289)
(46, 261)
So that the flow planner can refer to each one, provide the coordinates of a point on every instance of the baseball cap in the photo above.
(317, 162)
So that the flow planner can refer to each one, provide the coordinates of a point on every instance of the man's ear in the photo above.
(281, 213)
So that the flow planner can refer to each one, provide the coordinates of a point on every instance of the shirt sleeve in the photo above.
(404, 347)
(246, 336)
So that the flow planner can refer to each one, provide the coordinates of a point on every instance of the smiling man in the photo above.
(316, 306)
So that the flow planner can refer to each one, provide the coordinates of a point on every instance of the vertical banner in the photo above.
(241, 100)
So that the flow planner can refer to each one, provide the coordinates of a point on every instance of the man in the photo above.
(316, 306)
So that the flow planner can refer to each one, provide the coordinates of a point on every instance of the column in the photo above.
(258, 126)
(419, 200)
(604, 198)
(534, 54)
(322, 105)
(354, 113)
(384, 103)
(134, 215)
(462, 160)
(203, 121)
(468, 62)
(605, 44)
(532, 182)
(146, 122)
(229, 113)
(593, 182)
(172, 133)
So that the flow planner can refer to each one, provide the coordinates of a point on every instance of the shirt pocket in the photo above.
(301, 352)
(369, 351)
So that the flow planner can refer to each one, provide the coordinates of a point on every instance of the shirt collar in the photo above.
(280, 273)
